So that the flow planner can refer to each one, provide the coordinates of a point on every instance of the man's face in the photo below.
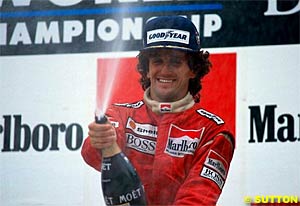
(169, 74)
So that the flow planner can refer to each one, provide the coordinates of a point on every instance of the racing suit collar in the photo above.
(168, 107)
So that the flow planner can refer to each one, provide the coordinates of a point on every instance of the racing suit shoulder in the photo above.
(215, 123)
(134, 105)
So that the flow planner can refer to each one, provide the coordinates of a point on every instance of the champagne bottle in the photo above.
(121, 184)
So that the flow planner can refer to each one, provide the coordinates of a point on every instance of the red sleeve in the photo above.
(206, 178)
(90, 155)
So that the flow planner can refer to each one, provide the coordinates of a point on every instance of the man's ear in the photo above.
(192, 74)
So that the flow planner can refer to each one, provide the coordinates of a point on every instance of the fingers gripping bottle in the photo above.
(121, 184)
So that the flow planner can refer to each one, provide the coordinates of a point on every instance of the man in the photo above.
(181, 151)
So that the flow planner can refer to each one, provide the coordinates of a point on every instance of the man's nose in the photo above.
(166, 67)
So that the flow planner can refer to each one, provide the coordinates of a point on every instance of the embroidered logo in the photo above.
(148, 130)
(215, 168)
(140, 144)
(211, 116)
(169, 35)
(217, 162)
(165, 107)
(212, 175)
(182, 142)
(133, 105)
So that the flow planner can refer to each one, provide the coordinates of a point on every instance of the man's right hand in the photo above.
(102, 135)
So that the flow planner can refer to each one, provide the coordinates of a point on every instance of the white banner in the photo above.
(47, 101)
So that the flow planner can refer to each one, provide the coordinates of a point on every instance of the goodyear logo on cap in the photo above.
(169, 35)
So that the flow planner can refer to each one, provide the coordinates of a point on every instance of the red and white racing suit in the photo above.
(181, 152)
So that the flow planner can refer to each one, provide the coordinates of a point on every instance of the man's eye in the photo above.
(176, 62)
(157, 61)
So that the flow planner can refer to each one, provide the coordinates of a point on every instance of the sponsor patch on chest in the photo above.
(148, 130)
(182, 142)
(140, 144)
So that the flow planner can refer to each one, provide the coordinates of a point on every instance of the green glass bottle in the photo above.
(121, 184)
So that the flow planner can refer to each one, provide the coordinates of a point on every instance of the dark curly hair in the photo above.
(198, 62)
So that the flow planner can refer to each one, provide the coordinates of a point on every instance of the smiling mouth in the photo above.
(165, 80)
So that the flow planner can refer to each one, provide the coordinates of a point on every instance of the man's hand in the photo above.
(102, 135)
